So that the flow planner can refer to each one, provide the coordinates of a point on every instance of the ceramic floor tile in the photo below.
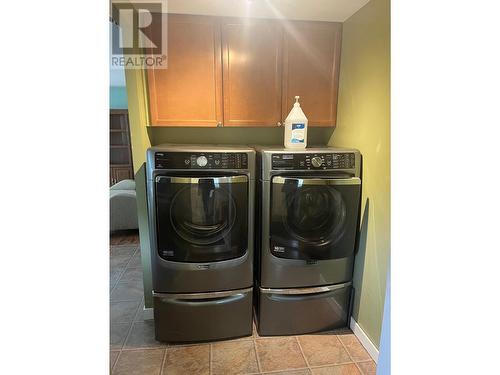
(118, 334)
(119, 262)
(290, 372)
(187, 360)
(255, 334)
(354, 348)
(123, 312)
(113, 355)
(127, 292)
(143, 315)
(347, 369)
(132, 275)
(114, 277)
(125, 250)
(234, 357)
(368, 368)
(135, 261)
(281, 353)
(139, 362)
(142, 335)
(323, 350)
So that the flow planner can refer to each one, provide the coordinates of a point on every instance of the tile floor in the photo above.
(134, 351)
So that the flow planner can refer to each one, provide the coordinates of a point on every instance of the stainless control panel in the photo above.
(313, 161)
(201, 160)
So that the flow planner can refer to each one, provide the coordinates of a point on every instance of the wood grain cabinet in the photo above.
(311, 62)
(188, 92)
(245, 72)
(251, 66)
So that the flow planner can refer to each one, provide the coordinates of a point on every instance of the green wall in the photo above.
(228, 135)
(138, 115)
(364, 123)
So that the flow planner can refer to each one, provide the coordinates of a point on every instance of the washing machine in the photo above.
(201, 216)
(308, 205)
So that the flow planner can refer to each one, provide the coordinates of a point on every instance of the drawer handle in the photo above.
(205, 301)
(300, 297)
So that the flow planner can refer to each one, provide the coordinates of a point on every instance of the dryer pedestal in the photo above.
(203, 316)
(298, 311)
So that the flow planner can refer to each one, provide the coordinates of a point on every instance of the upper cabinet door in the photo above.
(189, 91)
(252, 61)
(311, 61)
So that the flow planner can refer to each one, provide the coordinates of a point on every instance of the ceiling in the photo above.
(319, 10)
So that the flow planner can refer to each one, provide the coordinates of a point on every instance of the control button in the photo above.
(201, 161)
(217, 161)
(187, 161)
(316, 162)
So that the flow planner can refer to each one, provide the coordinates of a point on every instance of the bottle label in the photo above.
(298, 130)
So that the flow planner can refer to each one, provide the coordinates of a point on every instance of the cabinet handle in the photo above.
(220, 125)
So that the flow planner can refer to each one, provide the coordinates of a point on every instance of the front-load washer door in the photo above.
(314, 218)
(201, 219)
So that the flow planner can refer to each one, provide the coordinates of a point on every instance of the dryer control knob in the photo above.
(201, 161)
(317, 162)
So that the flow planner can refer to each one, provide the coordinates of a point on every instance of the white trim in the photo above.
(147, 313)
(364, 340)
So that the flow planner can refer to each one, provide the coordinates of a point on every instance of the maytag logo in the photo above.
(203, 266)
(279, 249)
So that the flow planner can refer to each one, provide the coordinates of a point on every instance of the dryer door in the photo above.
(201, 219)
(314, 218)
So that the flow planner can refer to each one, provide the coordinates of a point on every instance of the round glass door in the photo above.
(202, 215)
(201, 219)
(315, 215)
(313, 218)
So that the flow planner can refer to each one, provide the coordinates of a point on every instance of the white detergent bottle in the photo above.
(296, 127)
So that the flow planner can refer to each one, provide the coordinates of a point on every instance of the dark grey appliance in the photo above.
(308, 217)
(201, 213)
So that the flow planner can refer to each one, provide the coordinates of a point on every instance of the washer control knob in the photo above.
(316, 162)
(201, 161)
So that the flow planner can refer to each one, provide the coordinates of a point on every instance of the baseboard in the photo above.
(148, 313)
(365, 341)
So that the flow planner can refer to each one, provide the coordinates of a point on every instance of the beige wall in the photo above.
(364, 122)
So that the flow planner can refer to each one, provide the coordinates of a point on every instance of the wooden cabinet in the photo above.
(245, 72)
(188, 92)
(251, 58)
(311, 62)
(120, 152)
